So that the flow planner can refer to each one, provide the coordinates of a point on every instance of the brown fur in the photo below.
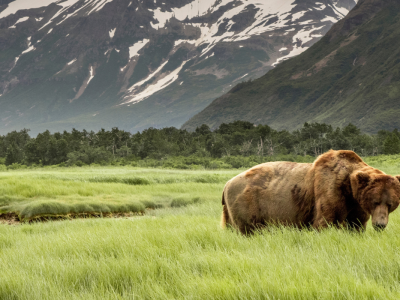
(337, 189)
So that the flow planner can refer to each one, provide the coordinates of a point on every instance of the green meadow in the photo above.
(50, 192)
(154, 234)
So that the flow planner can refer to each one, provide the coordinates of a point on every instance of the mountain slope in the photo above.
(135, 64)
(350, 75)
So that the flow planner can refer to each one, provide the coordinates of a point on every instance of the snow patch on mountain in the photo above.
(15, 63)
(320, 6)
(91, 5)
(328, 19)
(91, 75)
(72, 61)
(99, 5)
(140, 83)
(134, 50)
(17, 5)
(304, 36)
(31, 48)
(275, 10)
(85, 84)
(210, 55)
(65, 6)
(341, 11)
(23, 19)
(112, 32)
(178, 42)
(154, 88)
(200, 8)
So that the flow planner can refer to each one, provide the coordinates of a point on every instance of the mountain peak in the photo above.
(151, 63)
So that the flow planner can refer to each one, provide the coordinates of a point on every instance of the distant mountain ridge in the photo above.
(135, 64)
(351, 75)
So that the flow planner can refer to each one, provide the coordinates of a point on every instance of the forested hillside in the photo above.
(238, 144)
(351, 75)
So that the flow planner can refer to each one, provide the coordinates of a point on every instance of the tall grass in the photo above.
(179, 251)
(186, 256)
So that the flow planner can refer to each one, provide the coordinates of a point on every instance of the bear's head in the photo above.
(378, 194)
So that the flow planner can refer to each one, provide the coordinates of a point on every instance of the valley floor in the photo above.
(176, 250)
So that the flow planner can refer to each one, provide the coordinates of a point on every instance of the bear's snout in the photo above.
(379, 226)
(380, 217)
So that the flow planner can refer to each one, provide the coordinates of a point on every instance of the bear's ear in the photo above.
(398, 177)
(359, 181)
(363, 179)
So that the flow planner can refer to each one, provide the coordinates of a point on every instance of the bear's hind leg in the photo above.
(225, 219)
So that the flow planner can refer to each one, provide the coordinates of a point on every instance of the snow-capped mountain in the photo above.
(141, 63)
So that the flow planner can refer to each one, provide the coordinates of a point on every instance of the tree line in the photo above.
(236, 139)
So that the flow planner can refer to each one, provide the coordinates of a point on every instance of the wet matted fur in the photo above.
(338, 189)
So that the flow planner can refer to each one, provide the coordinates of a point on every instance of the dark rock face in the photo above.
(106, 63)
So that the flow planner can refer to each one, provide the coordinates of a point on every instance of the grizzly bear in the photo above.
(338, 189)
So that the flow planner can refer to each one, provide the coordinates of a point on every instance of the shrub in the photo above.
(102, 163)
(196, 167)
(16, 166)
(235, 161)
(179, 202)
(135, 181)
(79, 163)
(219, 165)
(151, 204)
(55, 208)
(136, 207)
(112, 179)
(44, 208)
(209, 179)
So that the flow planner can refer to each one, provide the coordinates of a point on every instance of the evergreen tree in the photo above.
(13, 154)
(391, 145)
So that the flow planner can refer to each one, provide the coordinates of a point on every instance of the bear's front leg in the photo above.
(357, 220)
(327, 214)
